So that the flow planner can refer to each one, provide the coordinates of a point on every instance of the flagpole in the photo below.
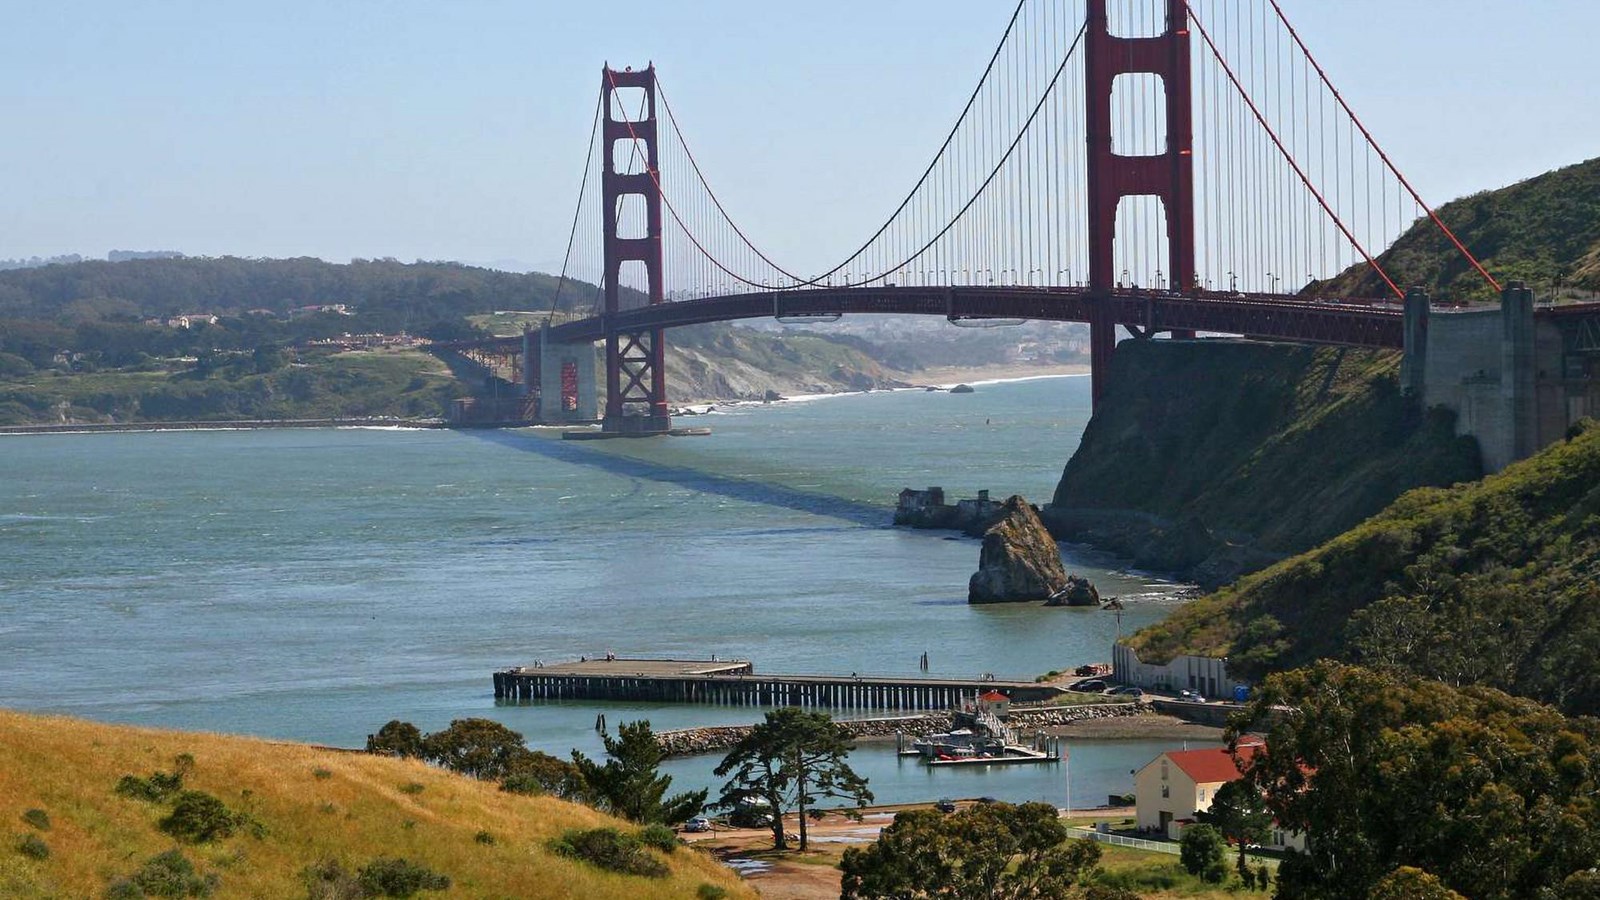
(1066, 761)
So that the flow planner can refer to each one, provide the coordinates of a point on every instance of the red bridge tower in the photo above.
(1168, 175)
(636, 378)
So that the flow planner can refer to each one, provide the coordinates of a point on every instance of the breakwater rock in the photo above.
(1019, 561)
(711, 739)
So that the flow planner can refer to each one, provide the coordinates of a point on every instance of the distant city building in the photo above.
(126, 255)
(336, 308)
(190, 320)
(349, 341)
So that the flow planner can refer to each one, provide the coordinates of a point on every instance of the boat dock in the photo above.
(736, 683)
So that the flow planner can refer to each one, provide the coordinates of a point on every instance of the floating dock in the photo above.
(736, 683)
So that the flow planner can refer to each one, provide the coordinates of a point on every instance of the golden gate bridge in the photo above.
(1159, 166)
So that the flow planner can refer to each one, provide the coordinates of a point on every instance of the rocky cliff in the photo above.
(722, 362)
(1213, 458)
(1019, 561)
(1491, 582)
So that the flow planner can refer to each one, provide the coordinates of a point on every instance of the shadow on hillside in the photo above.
(580, 453)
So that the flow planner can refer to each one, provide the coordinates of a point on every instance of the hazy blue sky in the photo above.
(455, 130)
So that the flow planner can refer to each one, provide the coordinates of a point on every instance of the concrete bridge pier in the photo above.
(568, 386)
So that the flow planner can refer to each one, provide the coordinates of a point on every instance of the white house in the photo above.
(1176, 785)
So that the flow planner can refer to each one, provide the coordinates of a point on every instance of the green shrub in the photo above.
(156, 789)
(38, 818)
(710, 892)
(396, 738)
(659, 836)
(328, 880)
(608, 849)
(33, 847)
(168, 874)
(123, 889)
(197, 818)
(1202, 853)
(386, 877)
(485, 838)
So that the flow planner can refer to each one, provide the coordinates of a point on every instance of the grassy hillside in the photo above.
(1202, 448)
(708, 362)
(320, 384)
(1494, 582)
(1544, 231)
(312, 806)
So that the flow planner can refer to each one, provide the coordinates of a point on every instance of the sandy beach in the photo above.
(948, 375)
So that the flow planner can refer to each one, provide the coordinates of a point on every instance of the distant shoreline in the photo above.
(229, 425)
(943, 378)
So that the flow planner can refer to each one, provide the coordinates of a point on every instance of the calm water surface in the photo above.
(313, 584)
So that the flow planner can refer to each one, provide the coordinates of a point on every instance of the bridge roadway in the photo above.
(736, 683)
(1281, 316)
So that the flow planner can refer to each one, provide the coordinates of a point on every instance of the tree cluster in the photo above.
(992, 851)
(483, 749)
(628, 784)
(1489, 795)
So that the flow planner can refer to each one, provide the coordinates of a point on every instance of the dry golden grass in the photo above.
(353, 813)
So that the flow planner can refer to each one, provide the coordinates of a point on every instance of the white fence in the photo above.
(1123, 841)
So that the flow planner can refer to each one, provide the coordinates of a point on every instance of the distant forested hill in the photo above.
(1544, 231)
(387, 295)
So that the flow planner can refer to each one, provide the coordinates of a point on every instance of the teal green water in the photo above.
(313, 584)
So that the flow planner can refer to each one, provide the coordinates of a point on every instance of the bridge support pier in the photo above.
(568, 390)
(1102, 344)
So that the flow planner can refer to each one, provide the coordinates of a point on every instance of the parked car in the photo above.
(1091, 686)
(697, 824)
(1128, 691)
(945, 805)
(1195, 696)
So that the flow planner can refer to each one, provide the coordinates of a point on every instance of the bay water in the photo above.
(313, 584)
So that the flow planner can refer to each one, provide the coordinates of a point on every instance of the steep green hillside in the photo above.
(1216, 456)
(1494, 582)
(1543, 231)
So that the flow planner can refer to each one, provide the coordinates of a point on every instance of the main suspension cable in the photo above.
(1381, 154)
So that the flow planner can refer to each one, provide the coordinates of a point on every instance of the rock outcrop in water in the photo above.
(1079, 591)
(1020, 560)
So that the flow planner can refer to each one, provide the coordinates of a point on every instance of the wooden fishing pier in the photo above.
(736, 683)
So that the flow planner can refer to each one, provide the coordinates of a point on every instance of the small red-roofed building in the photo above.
(995, 702)
(1172, 788)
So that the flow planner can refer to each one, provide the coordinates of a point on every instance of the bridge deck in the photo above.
(736, 682)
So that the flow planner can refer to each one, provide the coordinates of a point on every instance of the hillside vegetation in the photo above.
(307, 821)
(88, 341)
(1544, 231)
(388, 295)
(1214, 457)
(1495, 582)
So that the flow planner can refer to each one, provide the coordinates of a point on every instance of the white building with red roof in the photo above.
(1176, 785)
